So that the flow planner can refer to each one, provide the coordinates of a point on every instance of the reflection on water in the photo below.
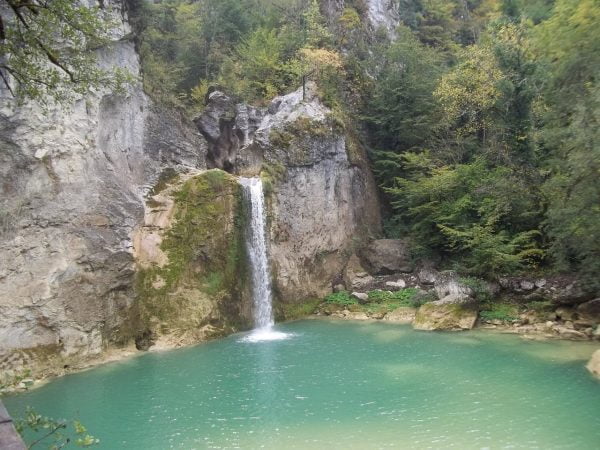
(339, 385)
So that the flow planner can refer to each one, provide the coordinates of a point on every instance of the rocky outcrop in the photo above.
(590, 311)
(445, 317)
(384, 14)
(227, 127)
(191, 275)
(320, 192)
(404, 314)
(72, 184)
(385, 256)
(594, 364)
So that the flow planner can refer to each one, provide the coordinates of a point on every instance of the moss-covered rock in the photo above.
(197, 289)
(445, 316)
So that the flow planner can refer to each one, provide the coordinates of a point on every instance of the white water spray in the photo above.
(256, 246)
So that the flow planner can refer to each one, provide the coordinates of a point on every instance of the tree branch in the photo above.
(51, 57)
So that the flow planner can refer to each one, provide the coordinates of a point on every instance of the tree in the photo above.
(55, 433)
(569, 46)
(47, 49)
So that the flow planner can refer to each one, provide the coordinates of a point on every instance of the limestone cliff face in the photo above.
(90, 250)
(322, 199)
(72, 182)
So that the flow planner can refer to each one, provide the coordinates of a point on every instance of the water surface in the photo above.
(338, 385)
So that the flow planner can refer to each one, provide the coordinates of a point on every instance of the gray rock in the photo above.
(321, 201)
(427, 275)
(386, 256)
(339, 288)
(448, 283)
(590, 310)
(361, 297)
(402, 314)
(384, 14)
(527, 285)
(569, 333)
(396, 285)
(356, 315)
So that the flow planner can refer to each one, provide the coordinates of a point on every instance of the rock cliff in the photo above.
(72, 184)
(321, 195)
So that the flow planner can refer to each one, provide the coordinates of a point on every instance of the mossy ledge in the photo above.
(199, 292)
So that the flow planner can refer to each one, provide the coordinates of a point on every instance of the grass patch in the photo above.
(499, 311)
(341, 298)
(379, 301)
(292, 311)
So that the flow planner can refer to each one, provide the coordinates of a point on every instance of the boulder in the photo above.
(594, 364)
(445, 316)
(569, 333)
(361, 297)
(355, 276)
(339, 288)
(590, 310)
(527, 285)
(448, 283)
(565, 313)
(384, 256)
(404, 314)
(396, 285)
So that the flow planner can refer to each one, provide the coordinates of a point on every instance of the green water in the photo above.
(338, 385)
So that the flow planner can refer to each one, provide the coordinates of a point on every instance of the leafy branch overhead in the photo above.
(48, 49)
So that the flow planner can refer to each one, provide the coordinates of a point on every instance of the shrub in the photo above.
(499, 311)
(341, 298)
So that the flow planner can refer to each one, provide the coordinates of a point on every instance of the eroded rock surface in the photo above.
(320, 192)
(72, 183)
(445, 317)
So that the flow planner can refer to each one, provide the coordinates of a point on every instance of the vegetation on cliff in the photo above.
(199, 285)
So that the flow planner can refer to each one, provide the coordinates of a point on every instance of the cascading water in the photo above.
(256, 246)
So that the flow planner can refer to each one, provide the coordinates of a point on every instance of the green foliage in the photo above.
(47, 49)
(205, 250)
(53, 434)
(569, 45)
(403, 296)
(293, 311)
(341, 298)
(473, 211)
(480, 288)
(499, 311)
(401, 112)
(387, 301)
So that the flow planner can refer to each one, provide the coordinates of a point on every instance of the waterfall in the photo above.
(256, 246)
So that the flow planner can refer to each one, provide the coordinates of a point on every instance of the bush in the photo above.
(341, 298)
(499, 311)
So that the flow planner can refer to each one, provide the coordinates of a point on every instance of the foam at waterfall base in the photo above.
(266, 334)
